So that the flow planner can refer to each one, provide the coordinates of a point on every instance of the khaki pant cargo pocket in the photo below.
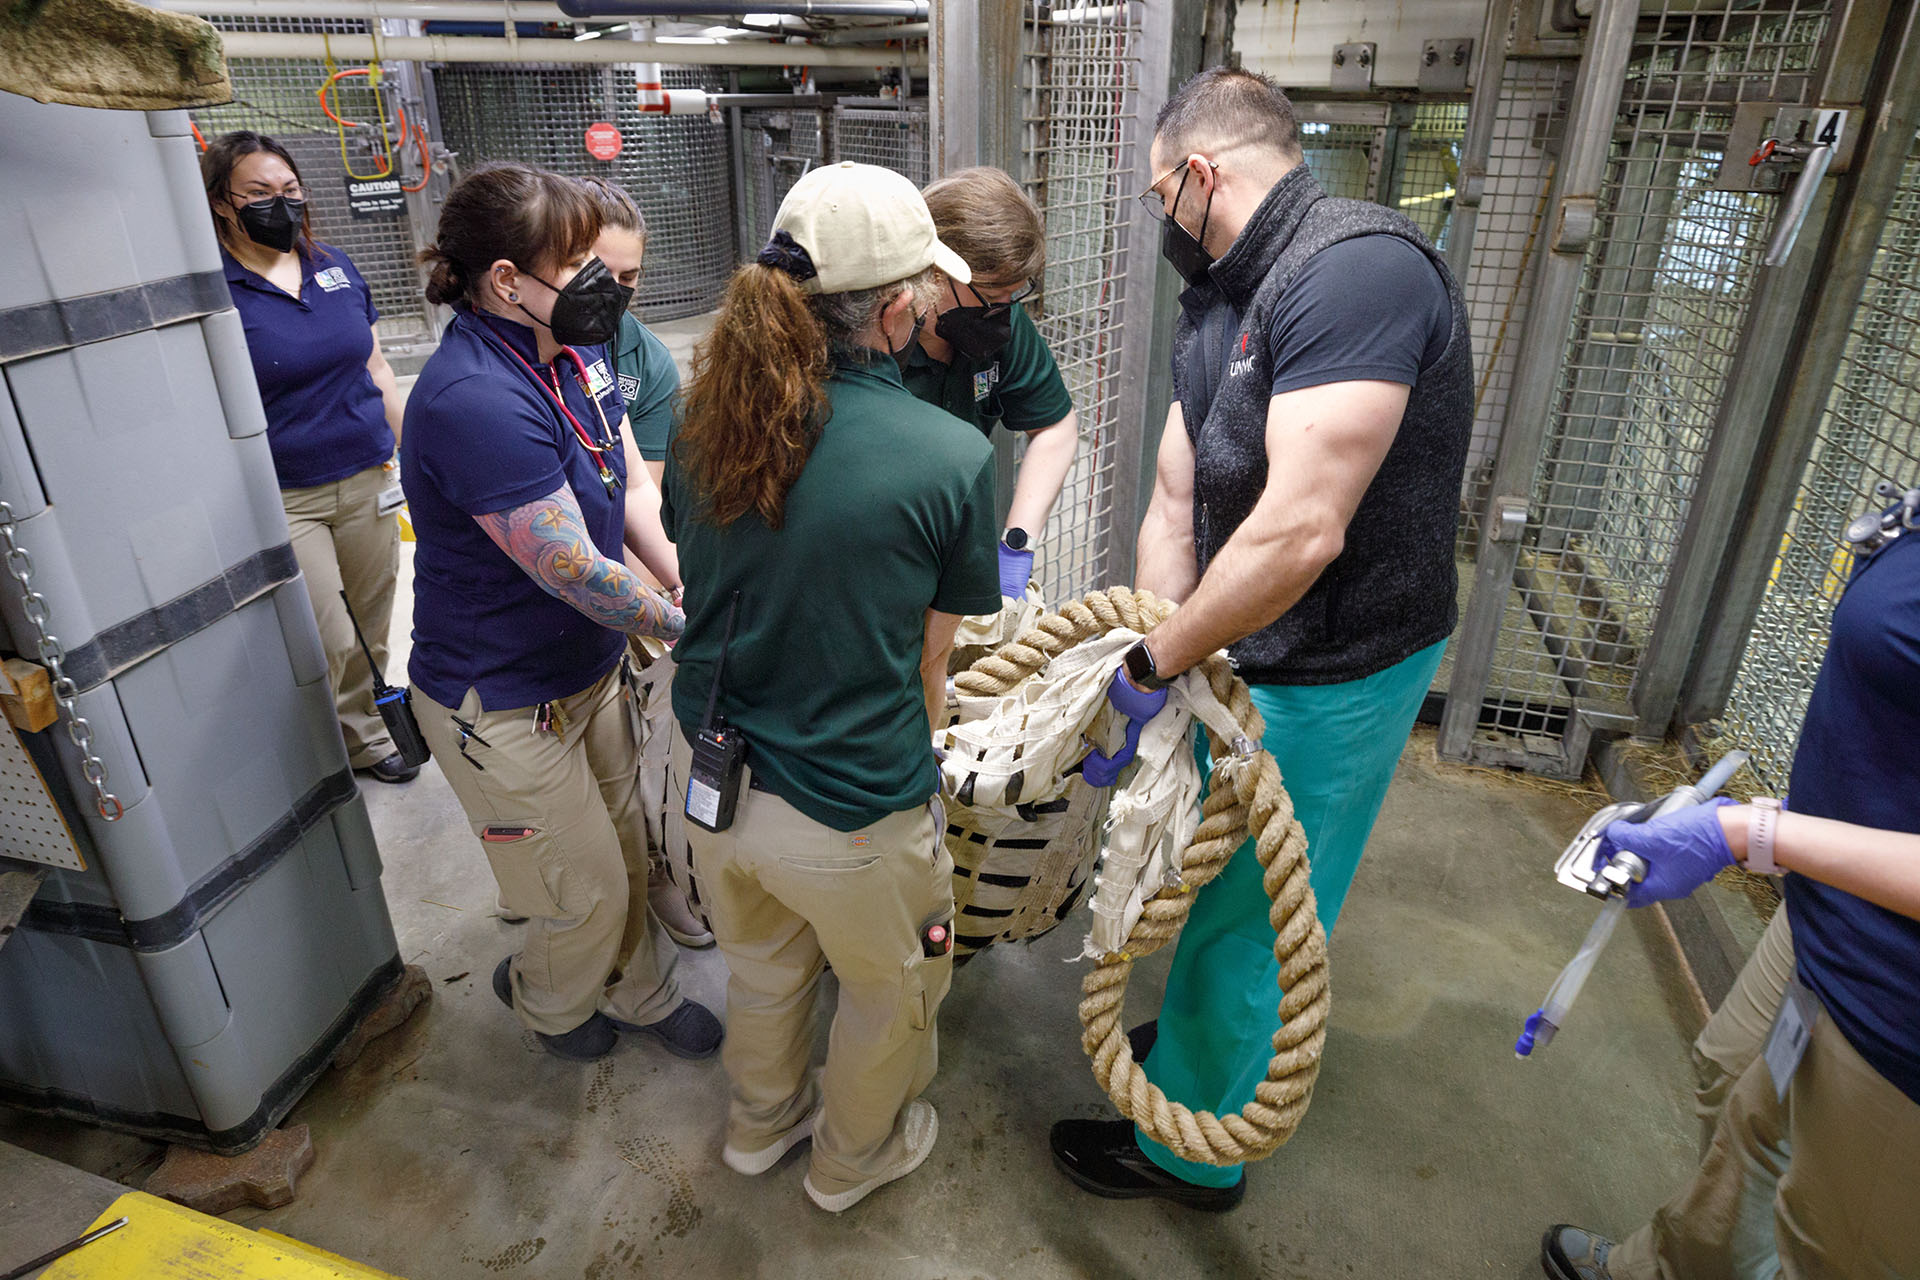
(532, 877)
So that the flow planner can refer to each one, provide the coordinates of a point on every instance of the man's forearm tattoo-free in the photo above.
(548, 538)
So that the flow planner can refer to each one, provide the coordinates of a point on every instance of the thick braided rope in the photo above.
(1244, 801)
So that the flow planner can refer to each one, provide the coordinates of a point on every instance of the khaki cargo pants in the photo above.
(1821, 1185)
(788, 895)
(560, 819)
(343, 544)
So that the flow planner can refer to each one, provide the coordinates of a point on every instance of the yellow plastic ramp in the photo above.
(164, 1241)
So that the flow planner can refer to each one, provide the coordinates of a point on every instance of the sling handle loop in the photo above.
(1246, 800)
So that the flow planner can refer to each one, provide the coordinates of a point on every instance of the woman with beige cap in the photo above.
(832, 532)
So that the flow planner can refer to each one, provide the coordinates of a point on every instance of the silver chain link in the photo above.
(53, 654)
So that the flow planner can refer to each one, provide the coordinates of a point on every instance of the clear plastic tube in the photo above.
(1545, 1021)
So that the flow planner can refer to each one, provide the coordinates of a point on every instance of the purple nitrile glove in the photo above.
(1016, 571)
(1138, 706)
(1683, 850)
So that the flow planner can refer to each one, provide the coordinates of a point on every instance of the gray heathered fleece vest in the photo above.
(1391, 591)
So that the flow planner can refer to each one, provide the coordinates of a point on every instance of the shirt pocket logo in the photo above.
(598, 379)
(985, 381)
(629, 388)
(333, 279)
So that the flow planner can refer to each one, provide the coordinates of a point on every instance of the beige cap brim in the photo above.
(952, 263)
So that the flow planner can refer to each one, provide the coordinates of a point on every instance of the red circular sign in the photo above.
(603, 141)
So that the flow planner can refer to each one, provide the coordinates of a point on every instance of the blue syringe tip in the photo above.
(1530, 1035)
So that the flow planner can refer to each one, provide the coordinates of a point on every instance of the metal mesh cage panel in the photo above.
(892, 136)
(1340, 156)
(1668, 277)
(276, 97)
(1871, 433)
(1427, 175)
(676, 167)
(1080, 152)
(779, 146)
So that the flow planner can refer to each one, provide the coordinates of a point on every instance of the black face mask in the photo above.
(899, 353)
(978, 333)
(1180, 246)
(273, 223)
(587, 312)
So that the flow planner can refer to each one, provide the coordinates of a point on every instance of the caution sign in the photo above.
(375, 197)
(603, 141)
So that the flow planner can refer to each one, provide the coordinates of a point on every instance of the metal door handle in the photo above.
(1813, 160)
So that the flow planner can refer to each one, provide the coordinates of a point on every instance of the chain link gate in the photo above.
(276, 97)
(676, 168)
(1871, 433)
(1586, 505)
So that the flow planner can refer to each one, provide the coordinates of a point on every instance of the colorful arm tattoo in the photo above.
(548, 538)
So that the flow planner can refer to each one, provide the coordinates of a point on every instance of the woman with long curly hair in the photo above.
(832, 531)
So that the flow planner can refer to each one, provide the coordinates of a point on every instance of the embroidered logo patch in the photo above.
(598, 379)
(985, 381)
(861, 842)
(629, 388)
(333, 279)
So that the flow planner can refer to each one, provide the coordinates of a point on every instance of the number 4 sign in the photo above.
(1828, 128)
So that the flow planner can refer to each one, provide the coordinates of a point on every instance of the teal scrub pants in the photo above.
(1337, 746)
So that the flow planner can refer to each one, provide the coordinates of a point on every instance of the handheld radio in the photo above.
(719, 752)
(395, 705)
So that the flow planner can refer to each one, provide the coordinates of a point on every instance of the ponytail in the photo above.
(446, 279)
(757, 399)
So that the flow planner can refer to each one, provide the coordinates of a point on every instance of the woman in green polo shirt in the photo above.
(980, 357)
(833, 531)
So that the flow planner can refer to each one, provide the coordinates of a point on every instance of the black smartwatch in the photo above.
(1015, 539)
(1140, 668)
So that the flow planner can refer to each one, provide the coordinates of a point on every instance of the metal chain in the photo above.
(54, 654)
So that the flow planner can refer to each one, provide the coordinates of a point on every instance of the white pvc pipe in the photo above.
(262, 44)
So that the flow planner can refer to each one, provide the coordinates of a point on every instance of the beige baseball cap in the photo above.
(863, 226)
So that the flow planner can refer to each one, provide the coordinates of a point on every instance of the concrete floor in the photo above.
(456, 1148)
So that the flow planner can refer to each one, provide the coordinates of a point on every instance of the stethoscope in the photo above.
(1872, 532)
(597, 450)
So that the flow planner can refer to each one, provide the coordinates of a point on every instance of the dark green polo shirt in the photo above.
(649, 384)
(892, 515)
(1020, 388)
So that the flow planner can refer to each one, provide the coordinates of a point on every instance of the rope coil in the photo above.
(1245, 801)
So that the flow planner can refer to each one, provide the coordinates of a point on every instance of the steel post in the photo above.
(1476, 147)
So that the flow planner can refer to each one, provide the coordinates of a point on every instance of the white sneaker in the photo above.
(922, 1127)
(753, 1163)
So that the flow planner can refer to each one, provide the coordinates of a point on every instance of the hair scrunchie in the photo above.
(788, 255)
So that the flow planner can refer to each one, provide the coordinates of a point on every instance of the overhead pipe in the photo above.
(874, 34)
(268, 44)
(905, 10)
(493, 11)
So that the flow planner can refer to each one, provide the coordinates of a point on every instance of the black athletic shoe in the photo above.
(1101, 1156)
(1141, 1039)
(1570, 1253)
(690, 1031)
(392, 769)
(592, 1039)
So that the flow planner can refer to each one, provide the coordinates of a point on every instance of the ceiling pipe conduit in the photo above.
(261, 44)
(904, 10)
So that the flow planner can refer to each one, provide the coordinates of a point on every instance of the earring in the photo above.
(513, 297)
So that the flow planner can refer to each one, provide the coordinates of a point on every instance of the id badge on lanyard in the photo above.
(1790, 1035)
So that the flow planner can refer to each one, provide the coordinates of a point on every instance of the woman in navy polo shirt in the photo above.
(333, 415)
(516, 479)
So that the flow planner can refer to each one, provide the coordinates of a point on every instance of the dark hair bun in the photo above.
(446, 279)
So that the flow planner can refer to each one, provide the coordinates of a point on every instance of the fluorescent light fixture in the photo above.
(604, 31)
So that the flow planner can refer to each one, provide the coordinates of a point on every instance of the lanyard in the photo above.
(596, 451)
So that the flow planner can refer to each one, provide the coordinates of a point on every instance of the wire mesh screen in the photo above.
(1081, 150)
(1871, 433)
(1340, 156)
(1498, 286)
(1425, 181)
(894, 136)
(675, 167)
(780, 146)
(277, 97)
(1668, 277)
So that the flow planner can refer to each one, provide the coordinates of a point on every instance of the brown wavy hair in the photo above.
(757, 400)
(216, 172)
(532, 218)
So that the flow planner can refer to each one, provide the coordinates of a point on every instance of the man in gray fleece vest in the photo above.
(1303, 517)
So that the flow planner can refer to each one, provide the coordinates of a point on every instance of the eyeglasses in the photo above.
(1151, 199)
(256, 195)
(995, 307)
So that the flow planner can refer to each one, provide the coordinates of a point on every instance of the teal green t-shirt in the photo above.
(649, 384)
(892, 515)
(1020, 387)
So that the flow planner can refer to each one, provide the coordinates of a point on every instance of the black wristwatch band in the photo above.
(1015, 538)
(1140, 668)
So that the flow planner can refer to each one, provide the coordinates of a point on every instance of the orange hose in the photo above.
(426, 163)
(197, 137)
(328, 84)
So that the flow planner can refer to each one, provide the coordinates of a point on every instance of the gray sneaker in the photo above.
(1572, 1253)
(690, 1031)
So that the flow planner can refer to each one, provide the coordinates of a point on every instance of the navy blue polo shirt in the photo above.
(325, 420)
(483, 436)
(1857, 762)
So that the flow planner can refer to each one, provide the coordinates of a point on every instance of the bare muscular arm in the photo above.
(548, 539)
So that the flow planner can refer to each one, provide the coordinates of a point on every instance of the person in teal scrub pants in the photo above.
(1303, 514)
(981, 358)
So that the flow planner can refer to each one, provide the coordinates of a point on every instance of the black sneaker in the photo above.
(392, 769)
(1572, 1253)
(592, 1039)
(1101, 1156)
(690, 1031)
